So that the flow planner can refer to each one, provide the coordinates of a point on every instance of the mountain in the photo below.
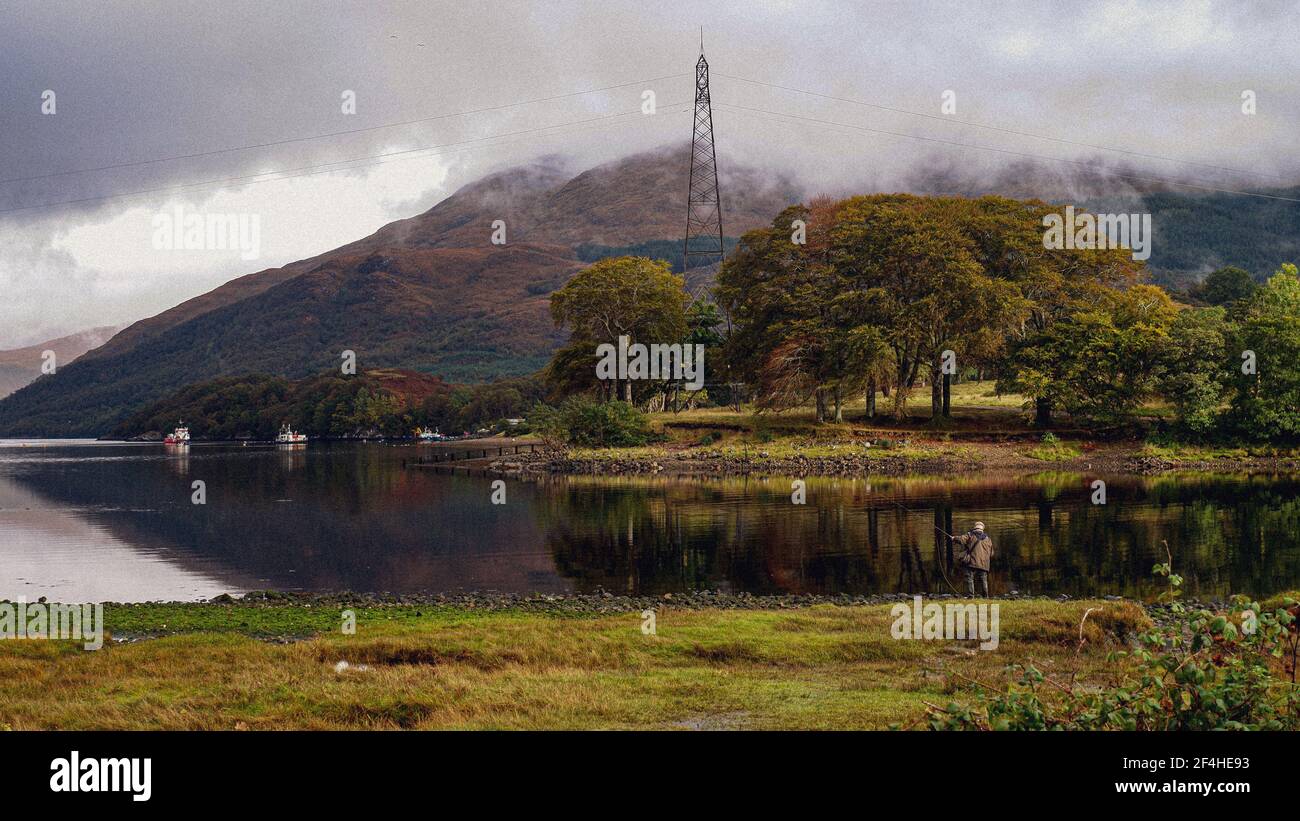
(21, 366)
(430, 293)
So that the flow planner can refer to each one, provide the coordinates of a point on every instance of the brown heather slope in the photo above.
(644, 198)
(430, 293)
(19, 366)
(639, 198)
(456, 221)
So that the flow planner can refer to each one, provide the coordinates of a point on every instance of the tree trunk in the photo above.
(936, 391)
(1042, 413)
(871, 398)
(839, 405)
(627, 391)
(947, 395)
(821, 406)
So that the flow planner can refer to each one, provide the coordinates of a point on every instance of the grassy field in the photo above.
(970, 402)
(232, 667)
(985, 431)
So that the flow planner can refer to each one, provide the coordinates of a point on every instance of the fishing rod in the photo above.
(942, 572)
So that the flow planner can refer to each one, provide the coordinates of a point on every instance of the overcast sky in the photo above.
(141, 81)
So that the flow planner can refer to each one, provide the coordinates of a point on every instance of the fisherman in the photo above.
(976, 555)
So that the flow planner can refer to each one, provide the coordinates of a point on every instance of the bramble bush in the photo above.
(1203, 670)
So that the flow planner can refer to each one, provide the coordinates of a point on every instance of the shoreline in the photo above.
(299, 616)
(843, 456)
(926, 457)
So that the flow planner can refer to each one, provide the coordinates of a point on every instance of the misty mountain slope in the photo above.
(643, 198)
(1197, 233)
(464, 220)
(429, 293)
(394, 307)
(21, 366)
(1194, 231)
(455, 221)
(432, 293)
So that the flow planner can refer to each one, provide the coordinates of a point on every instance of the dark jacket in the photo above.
(974, 550)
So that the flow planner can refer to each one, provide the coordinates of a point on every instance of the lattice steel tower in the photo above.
(703, 243)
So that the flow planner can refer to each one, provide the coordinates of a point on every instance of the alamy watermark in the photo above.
(128, 775)
(947, 622)
(1089, 232)
(177, 230)
(38, 620)
(654, 361)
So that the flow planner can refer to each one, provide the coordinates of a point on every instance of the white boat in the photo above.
(180, 436)
(288, 437)
(426, 435)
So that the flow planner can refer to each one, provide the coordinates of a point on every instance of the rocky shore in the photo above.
(930, 459)
(599, 602)
(707, 463)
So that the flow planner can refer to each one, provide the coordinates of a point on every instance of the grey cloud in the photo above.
(137, 81)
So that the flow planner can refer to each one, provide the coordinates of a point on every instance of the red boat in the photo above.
(180, 436)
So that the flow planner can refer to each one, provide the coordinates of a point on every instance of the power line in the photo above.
(290, 140)
(1036, 157)
(972, 124)
(325, 168)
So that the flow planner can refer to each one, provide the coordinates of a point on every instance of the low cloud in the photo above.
(144, 81)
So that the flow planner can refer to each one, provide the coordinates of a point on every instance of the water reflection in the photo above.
(351, 517)
(1229, 534)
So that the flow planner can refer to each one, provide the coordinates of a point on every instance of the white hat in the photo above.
(979, 525)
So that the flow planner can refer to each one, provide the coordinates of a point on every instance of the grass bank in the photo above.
(986, 431)
(228, 667)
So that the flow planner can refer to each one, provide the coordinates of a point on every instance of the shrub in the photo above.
(1198, 671)
(761, 430)
(585, 422)
(547, 422)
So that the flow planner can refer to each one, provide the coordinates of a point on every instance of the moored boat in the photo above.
(289, 437)
(180, 436)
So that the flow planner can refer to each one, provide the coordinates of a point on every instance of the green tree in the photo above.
(620, 296)
(915, 272)
(1099, 364)
(1266, 402)
(1057, 283)
(1226, 286)
(1197, 371)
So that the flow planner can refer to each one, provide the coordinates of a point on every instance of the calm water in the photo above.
(92, 521)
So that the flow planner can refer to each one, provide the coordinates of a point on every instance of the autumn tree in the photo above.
(634, 297)
(797, 332)
(915, 274)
